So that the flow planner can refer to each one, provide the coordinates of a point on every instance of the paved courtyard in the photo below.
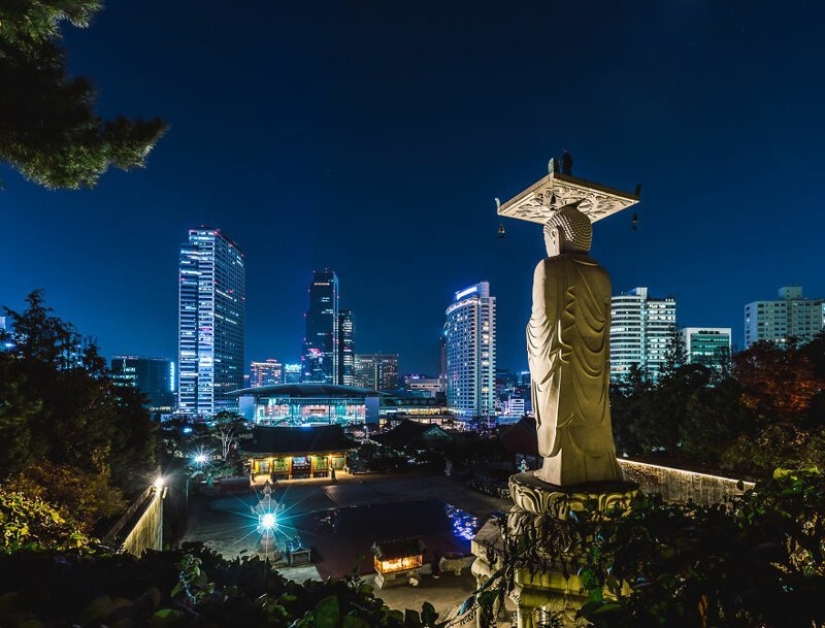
(227, 523)
(340, 520)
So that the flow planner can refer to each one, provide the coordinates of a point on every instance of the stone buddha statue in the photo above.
(568, 350)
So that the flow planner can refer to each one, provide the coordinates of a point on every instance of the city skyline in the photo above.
(374, 139)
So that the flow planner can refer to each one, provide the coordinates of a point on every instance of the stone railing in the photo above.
(676, 485)
(141, 526)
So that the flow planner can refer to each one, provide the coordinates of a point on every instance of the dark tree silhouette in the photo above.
(69, 433)
(49, 131)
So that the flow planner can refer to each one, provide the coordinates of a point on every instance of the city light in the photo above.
(463, 523)
(160, 488)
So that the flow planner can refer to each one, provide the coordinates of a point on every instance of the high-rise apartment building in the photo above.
(470, 339)
(320, 355)
(346, 347)
(792, 316)
(641, 331)
(268, 373)
(154, 377)
(211, 323)
(708, 346)
(376, 371)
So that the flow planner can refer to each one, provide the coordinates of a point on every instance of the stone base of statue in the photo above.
(543, 539)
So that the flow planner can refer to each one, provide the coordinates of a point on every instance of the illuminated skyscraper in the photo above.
(154, 377)
(376, 371)
(790, 317)
(269, 373)
(346, 347)
(641, 330)
(470, 334)
(708, 346)
(211, 323)
(320, 354)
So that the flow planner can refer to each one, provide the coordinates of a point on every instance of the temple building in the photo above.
(294, 453)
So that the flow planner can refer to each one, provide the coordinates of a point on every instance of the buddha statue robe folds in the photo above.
(568, 349)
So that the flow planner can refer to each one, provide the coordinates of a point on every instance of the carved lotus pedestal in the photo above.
(544, 540)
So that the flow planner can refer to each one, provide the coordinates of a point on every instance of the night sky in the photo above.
(372, 137)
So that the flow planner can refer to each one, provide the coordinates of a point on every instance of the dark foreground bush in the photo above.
(186, 588)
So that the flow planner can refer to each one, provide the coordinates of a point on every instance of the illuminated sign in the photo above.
(464, 293)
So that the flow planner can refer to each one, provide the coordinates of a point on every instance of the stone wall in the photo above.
(677, 485)
(141, 527)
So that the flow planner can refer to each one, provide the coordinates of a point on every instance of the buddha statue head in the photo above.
(568, 231)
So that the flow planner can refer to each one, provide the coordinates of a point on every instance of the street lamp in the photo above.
(159, 486)
(268, 521)
(198, 459)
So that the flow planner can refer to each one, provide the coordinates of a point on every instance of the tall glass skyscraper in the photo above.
(320, 355)
(346, 347)
(470, 334)
(211, 323)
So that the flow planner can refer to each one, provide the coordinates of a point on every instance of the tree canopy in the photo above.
(49, 130)
(763, 410)
(70, 435)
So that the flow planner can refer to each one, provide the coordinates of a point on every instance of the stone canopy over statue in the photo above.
(568, 348)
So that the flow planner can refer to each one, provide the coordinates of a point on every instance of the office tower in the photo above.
(376, 371)
(346, 347)
(641, 330)
(292, 373)
(708, 346)
(268, 373)
(792, 316)
(320, 354)
(470, 334)
(154, 377)
(211, 324)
